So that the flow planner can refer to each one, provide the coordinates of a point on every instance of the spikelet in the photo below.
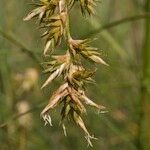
(53, 17)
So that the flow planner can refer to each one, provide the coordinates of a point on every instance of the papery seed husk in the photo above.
(34, 13)
(78, 120)
(53, 75)
(91, 103)
(98, 60)
(53, 101)
(76, 100)
(55, 17)
(47, 46)
(55, 24)
(61, 92)
(54, 30)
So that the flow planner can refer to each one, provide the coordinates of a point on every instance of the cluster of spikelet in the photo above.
(53, 17)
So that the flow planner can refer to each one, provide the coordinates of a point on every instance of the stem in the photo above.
(118, 22)
(67, 30)
(21, 46)
(144, 132)
(67, 27)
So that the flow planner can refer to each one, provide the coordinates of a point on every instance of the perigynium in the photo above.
(53, 17)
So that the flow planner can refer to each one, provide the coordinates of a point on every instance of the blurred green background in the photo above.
(122, 29)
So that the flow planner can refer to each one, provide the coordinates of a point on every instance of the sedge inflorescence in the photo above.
(53, 17)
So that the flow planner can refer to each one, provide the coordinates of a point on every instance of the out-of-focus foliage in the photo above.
(117, 86)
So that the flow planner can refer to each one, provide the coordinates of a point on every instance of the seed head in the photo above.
(53, 17)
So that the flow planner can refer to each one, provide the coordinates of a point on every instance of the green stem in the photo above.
(21, 46)
(67, 27)
(39, 105)
(118, 22)
(144, 132)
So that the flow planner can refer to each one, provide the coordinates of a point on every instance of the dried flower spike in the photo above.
(53, 16)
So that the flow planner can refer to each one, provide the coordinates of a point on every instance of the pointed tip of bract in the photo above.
(26, 18)
(106, 64)
(64, 129)
(42, 87)
(103, 62)
(47, 46)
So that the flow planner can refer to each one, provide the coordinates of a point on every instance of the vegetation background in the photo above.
(122, 29)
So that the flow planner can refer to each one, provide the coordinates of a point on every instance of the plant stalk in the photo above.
(144, 135)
